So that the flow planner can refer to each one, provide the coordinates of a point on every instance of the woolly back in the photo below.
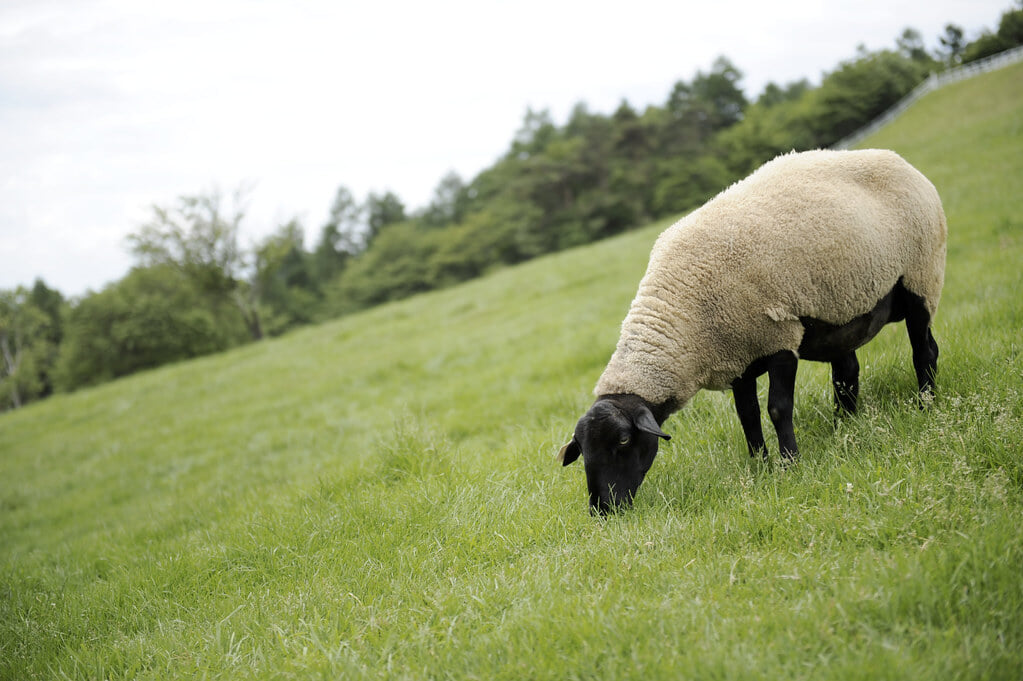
(822, 234)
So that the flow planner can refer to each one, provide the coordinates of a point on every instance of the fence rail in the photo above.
(934, 82)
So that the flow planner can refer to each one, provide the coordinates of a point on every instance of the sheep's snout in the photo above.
(609, 499)
(601, 508)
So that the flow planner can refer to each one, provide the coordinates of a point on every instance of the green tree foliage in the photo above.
(284, 280)
(953, 43)
(689, 183)
(633, 146)
(775, 94)
(341, 237)
(447, 207)
(28, 343)
(717, 95)
(52, 304)
(346, 221)
(199, 237)
(695, 111)
(154, 315)
(330, 254)
(780, 121)
(537, 131)
(395, 267)
(384, 209)
(1008, 35)
(911, 45)
(862, 89)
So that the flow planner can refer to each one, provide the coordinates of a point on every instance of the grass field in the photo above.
(378, 498)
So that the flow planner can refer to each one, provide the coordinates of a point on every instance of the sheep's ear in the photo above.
(570, 452)
(645, 422)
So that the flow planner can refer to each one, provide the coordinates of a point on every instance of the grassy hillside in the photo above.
(377, 497)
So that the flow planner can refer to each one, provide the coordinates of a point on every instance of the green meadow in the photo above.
(378, 497)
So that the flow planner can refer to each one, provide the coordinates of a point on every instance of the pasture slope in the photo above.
(377, 497)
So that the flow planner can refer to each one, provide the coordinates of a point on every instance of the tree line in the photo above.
(196, 290)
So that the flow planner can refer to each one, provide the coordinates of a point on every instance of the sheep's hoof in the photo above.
(925, 398)
(788, 459)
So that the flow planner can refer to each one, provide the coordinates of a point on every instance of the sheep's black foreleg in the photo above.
(744, 390)
(781, 370)
(845, 377)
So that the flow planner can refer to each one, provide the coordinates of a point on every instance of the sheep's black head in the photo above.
(618, 440)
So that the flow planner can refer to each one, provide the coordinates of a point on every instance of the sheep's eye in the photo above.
(624, 440)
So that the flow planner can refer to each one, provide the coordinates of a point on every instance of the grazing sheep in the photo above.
(807, 258)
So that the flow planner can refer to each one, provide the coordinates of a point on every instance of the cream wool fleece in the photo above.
(822, 234)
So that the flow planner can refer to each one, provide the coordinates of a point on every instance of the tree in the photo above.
(330, 254)
(346, 220)
(630, 135)
(395, 266)
(152, 316)
(767, 130)
(537, 131)
(199, 237)
(1009, 34)
(1010, 26)
(26, 352)
(720, 93)
(688, 183)
(860, 90)
(52, 304)
(341, 237)
(283, 279)
(911, 45)
(774, 94)
(953, 42)
(382, 210)
(714, 98)
(633, 149)
(448, 206)
(681, 124)
(696, 111)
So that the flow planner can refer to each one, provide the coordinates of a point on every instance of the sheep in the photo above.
(807, 258)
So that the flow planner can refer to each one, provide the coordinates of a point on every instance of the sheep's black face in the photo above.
(618, 440)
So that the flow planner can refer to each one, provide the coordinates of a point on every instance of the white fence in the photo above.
(935, 81)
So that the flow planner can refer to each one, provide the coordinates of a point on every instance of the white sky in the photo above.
(110, 106)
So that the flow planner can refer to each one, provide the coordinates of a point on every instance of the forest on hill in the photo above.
(195, 290)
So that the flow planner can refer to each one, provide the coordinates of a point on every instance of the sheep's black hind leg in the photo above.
(744, 390)
(781, 371)
(925, 349)
(845, 377)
